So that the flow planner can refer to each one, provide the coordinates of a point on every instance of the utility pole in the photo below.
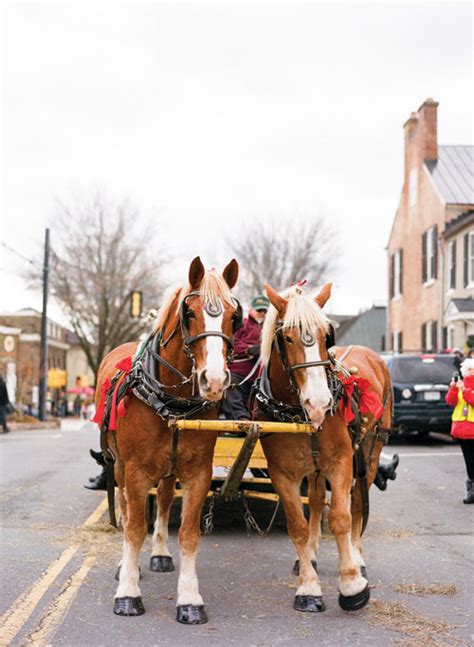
(43, 382)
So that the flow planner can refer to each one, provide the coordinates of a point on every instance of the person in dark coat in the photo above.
(247, 351)
(4, 405)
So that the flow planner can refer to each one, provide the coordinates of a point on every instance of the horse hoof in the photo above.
(354, 602)
(128, 606)
(296, 566)
(189, 614)
(363, 571)
(117, 573)
(309, 603)
(161, 564)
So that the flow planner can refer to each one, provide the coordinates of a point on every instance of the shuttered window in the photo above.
(396, 276)
(434, 335)
(452, 265)
(471, 258)
(429, 254)
(391, 278)
(424, 275)
(465, 260)
(423, 336)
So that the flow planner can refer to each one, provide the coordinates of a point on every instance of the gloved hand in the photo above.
(253, 351)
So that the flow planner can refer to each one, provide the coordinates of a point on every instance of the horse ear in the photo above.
(276, 300)
(231, 273)
(324, 295)
(196, 273)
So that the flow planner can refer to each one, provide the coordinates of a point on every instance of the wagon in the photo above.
(240, 470)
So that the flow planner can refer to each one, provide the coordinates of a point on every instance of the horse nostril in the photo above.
(227, 379)
(203, 380)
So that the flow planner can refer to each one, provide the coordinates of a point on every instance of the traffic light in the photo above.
(136, 304)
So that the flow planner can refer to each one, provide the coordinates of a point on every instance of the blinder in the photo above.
(330, 337)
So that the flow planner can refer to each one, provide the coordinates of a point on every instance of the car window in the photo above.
(419, 371)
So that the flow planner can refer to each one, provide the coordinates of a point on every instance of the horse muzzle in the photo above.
(316, 413)
(212, 387)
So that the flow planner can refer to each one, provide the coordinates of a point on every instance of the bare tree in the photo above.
(98, 258)
(282, 252)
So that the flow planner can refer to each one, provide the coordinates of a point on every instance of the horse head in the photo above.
(297, 330)
(209, 316)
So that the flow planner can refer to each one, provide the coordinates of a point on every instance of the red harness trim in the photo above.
(370, 402)
(124, 366)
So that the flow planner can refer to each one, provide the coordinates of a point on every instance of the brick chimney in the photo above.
(428, 125)
(421, 137)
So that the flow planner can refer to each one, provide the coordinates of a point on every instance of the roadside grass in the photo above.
(417, 630)
(415, 588)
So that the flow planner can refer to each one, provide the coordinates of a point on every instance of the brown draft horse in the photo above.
(195, 327)
(300, 378)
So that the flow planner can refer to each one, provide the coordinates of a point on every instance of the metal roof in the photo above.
(453, 173)
(464, 305)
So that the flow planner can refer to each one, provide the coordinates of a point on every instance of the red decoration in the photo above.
(370, 402)
(99, 414)
(124, 365)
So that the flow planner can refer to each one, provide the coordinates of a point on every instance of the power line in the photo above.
(24, 258)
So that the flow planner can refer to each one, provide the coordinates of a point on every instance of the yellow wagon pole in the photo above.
(235, 426)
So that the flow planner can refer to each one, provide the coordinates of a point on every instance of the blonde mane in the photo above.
(302, 312)
(212, 289)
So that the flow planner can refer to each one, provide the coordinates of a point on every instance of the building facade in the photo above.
(438, 188)
(27, 323)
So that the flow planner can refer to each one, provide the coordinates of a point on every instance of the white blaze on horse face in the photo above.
(214, 377)
(315, 394)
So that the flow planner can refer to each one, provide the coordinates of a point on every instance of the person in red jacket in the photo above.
(461, 396)
(247, 351)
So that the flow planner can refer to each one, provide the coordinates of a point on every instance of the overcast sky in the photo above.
(210, 116)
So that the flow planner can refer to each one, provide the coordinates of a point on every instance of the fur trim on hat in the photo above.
(466, 365)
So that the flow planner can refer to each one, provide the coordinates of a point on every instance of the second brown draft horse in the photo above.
(297, 373)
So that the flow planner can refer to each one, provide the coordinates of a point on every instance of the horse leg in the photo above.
(316, 499)
(128, 601)
(161, 560)
(353, 588)
(357, 508)
(308, 595)
(190, 606)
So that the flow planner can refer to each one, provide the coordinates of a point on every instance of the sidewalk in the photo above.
(78, 424)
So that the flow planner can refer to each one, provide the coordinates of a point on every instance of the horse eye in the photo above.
(191, 315)
(288, 339)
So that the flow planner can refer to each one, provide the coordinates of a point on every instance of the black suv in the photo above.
(420, 383)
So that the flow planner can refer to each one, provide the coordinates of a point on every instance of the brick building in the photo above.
(426, 277)
(27, 324)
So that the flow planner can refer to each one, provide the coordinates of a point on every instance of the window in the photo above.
(396, 274)
(413, 187)
(429, 254)
(429, 335)
(468, 259)
(452, 265)
(397, 341)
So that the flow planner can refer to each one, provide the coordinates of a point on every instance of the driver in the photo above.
(243, 370)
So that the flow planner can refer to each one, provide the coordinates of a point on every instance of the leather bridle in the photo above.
(308, 341)
(213, 310)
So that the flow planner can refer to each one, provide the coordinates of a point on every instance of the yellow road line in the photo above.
(60, 605)
(19, 612)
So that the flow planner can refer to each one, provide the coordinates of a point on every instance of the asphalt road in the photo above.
(58, 574)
